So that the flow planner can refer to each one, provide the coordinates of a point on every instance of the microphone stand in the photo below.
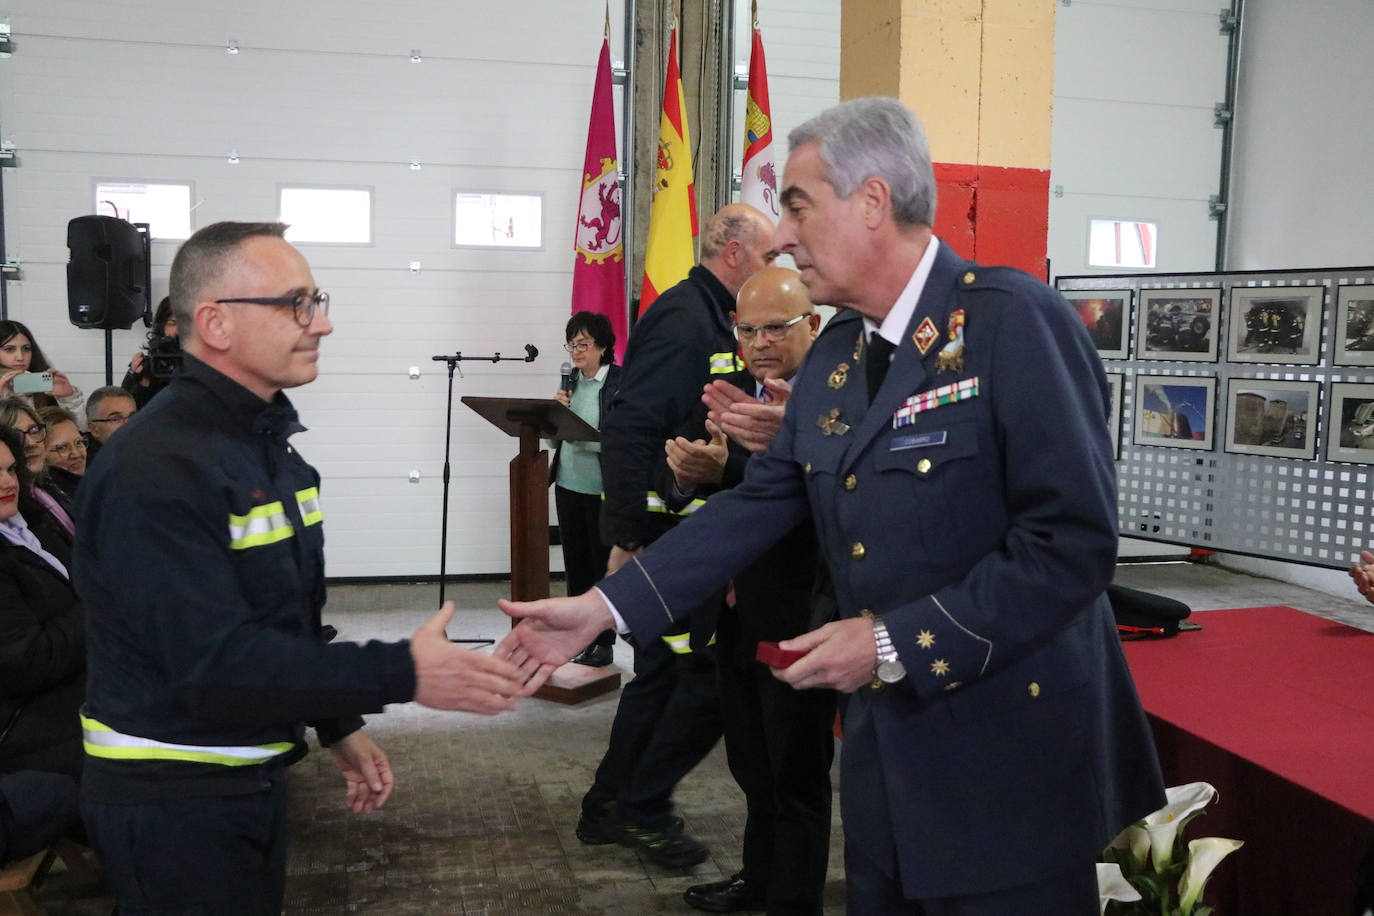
(531, 351)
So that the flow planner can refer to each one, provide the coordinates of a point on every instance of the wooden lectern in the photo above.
(529, 420)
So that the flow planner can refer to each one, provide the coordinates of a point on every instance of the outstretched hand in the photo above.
(450, 677)
(1363, 574)
(750, 422)
(551, 632)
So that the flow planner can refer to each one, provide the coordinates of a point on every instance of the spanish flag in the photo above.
(673, 214)
(758, 176)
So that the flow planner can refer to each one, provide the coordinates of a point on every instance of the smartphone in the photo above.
(32, 382)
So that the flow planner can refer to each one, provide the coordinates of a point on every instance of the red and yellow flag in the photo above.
(598, 283)
(673, 213)
(758, 176)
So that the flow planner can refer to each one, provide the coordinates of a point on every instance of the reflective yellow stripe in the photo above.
(681, 643)
(265, 524)
(102, 741)
(309, 502)
(655, 503)
(725, 363)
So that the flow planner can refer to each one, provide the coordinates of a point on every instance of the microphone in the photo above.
(565, 372)
(531, 351)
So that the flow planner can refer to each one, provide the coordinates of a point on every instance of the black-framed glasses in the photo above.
(114, 418)
(35, 434)
(304, 305)
(771, 332)
(580, 347)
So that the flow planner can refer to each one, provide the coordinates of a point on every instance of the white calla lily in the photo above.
(1204, 855)
(1136, 841)
(1184, 803)
(1112, 885)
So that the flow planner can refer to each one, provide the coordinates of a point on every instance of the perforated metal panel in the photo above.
(1314, 512)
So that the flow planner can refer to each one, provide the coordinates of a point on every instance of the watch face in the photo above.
(891, 672)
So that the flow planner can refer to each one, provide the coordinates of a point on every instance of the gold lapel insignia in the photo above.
(839, 376)
(859, 345)
(831, 424)
(951, 358)
(925, 335)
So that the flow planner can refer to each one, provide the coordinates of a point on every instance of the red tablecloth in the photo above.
(1274, 707)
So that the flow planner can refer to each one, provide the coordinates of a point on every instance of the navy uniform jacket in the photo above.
(1016, 746)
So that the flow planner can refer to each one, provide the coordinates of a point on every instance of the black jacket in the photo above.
(609, 388)
(680, 344)
(200, 560)
(42, 665)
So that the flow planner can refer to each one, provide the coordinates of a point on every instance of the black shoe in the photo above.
(726, 896)
(599, 827)
(327, 633)
(596, 656)
(669, 847)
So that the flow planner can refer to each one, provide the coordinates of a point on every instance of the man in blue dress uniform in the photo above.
(947, 435)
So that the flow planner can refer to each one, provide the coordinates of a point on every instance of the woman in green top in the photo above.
(576, 470)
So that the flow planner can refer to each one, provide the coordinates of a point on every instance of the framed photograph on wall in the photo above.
(1115, 382)
(1266, 417)
(1275, 325)
(1350, 423)
(1178, 324)
(1106, 313)
(1175, 411)
(1354, 326)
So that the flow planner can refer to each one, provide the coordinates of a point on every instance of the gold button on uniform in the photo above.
(807, 468)
(851, 482)
(1034, 689)
(923, 465)
(857, 551)
(968, 278)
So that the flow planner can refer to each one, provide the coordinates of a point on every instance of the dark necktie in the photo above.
(876, 360)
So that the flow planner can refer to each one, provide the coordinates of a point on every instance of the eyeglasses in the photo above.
(113, 418)
(34, 434)
(577, 347)
(771, 332)
(64, 449)
(303, 304)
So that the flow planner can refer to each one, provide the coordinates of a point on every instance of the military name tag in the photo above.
(919, 440)
(925, 400)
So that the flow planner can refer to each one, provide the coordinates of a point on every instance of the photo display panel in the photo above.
(1243, 407)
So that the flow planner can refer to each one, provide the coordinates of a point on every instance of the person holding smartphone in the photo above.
(22, 367)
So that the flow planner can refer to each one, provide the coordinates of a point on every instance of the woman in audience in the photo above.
(65, 453)
(51, 516)
(140, 381)
(42, 636)
(20, 353)
(576, 469)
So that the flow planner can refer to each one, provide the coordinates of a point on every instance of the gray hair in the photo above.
(100, 394)
(875, 137)
(203, 260)
(733, 221)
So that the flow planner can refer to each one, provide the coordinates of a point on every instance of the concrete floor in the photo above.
(483, 814)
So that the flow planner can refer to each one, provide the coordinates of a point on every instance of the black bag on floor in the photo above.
(1141, 615)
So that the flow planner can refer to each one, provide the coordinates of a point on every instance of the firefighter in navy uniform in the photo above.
(201, 564)
(669, 717)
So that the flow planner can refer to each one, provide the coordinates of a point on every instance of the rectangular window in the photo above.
(327, 216)
(1122, 243)
(166, 208)
(498, 220)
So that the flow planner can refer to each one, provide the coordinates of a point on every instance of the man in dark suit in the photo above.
(778, 740)
(947, 435)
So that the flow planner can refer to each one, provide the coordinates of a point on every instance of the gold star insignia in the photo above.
(939, 667)
(925, 639)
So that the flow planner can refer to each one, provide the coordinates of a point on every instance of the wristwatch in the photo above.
(889, 668)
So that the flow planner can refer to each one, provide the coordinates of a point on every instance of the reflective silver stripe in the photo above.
(655, 503)
(724, 363)
(102, 741)
(265, 524)
(680, 643)
(309, 502)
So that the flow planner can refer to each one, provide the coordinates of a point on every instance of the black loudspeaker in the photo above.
(106, 272)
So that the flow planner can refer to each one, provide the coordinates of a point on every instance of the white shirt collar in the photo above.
(894, 325)
(600, 374)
